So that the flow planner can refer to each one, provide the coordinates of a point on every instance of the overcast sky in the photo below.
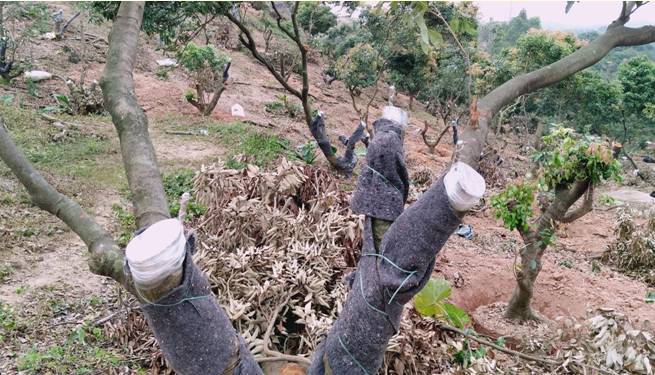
(583, 15)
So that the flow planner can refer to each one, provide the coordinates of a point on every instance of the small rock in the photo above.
(167, 62)
(237, 111)
(465, 231)
(649, 159)
(37, 75)
(49, 36)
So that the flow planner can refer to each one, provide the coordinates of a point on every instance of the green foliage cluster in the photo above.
(514, 205)
(568, 157)
(432, 301)
(199, 58)
(307, 152)
(175, 22)
(316, 17)
(126, 222)
(358, 68)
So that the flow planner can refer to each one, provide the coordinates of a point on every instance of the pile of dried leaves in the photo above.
(283, 238)
(276, 246)
(633, 251)
(610, 342)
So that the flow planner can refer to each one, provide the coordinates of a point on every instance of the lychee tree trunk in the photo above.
(536, 239)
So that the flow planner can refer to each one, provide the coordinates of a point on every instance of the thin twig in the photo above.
(267, 340)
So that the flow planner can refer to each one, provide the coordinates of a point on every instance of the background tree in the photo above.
(207, 69)
(316, 125)
(360, 69)
(316, 17)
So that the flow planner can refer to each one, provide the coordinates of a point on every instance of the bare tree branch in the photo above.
(106, 257)
(587, 206)
(131, 123)
(474, 136)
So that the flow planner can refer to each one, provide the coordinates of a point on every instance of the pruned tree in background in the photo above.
(208, 70)
(316, 124)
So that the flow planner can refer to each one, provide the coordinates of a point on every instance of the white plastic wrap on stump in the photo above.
(37, 75)
(156, 253)
(167, 62)
(237, 111)
(464, 186)
(395, 114)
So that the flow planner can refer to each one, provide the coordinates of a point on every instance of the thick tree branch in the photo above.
(131, 123)
(587, 206)
(617, 35)
(106, 257)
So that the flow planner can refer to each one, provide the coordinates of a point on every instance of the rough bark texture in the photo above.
(106, 257)
(143, 177)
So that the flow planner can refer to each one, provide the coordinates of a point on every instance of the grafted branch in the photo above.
(106, 257)
(585, 208)
(131, 123)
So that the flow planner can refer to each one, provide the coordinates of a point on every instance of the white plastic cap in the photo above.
(395, 114)
(464, 186)
(157, 252)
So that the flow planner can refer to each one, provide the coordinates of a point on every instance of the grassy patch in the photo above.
(78, 348)
(83, 153)
(257, 148)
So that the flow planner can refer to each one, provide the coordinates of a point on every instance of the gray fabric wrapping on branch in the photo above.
(383, 184)
(194, 333)
(386, 278)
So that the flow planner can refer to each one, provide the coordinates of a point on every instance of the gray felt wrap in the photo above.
(383, 183)
(386, 278)
(196, 335)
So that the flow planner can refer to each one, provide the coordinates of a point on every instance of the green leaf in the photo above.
(435, 37)
(427, 302)
(456, 315)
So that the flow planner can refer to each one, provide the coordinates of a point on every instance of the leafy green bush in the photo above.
(514, 205)
(176, 184)
(568, 157)
(205, 67)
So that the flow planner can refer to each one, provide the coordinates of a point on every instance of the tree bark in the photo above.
(144, 179)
